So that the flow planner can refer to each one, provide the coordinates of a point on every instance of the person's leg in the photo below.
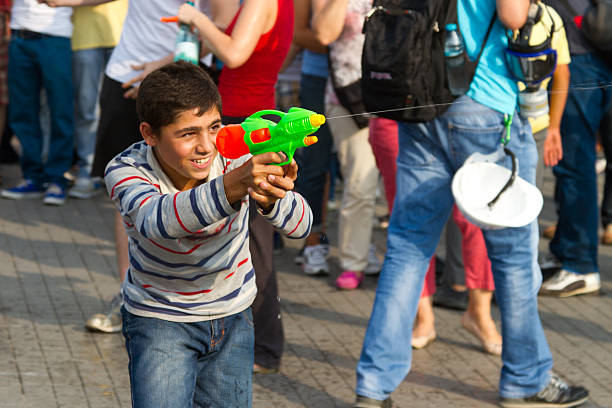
(24, 82)
(118, 127)
(87, 69)
(575, 241)
(117, 130)
(452, 293)
(314, 161)
(424, 330)
(360, 175)
(526, 357)
(422, 204)
(225, 376)
(605, 136)
(4, 99)
(163, 359)
(478, 278)
(269, 335)
(56, 71)
(383, 138)
(313, 181)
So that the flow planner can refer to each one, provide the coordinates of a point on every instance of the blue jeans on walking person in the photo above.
(87, 69)
(429, 155)
(34, 64)
(575, 242)
(200, 364)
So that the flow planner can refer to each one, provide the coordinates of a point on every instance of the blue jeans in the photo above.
(33, 64)
(315, 160)
(202, 364)
(429, 154)
(87, 69)
(575, 242)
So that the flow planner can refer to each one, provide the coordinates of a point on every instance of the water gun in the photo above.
(257, 135)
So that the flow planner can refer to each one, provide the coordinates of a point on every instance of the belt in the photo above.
(28, 35)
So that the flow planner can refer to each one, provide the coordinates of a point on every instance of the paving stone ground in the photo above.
(57, 267)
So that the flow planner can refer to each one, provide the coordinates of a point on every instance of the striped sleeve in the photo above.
(292, 215)
(166, 216)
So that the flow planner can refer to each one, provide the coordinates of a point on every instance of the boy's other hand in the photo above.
(263, 181)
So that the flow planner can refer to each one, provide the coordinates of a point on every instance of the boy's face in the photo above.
(186, 148)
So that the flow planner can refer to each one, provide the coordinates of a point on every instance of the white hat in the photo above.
(479, 181)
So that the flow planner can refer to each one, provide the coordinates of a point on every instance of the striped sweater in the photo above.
(189, 251)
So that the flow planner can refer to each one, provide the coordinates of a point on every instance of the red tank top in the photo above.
(250, 87)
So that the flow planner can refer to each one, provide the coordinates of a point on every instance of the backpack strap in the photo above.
(486, 36)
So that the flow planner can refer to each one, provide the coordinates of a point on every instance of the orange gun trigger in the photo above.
(310, 140)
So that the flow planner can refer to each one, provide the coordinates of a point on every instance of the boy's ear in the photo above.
(147, 134)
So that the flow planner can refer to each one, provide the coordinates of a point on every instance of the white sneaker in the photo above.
(374, 263)
(323, 241)
(315, 259)
(565, 283)
(109, 322)
(84, 188)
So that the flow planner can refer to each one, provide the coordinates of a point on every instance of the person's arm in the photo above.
(73, 3)
(303, 35)
(327, 23)
(236, 49)
(553, 150)
(512, 13)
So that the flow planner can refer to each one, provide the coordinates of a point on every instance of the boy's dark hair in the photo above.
(173, 89)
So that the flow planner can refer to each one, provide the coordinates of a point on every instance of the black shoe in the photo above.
(556, 394)
(365, 402)
(450, 299)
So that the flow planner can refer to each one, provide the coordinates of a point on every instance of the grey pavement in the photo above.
(57, 267)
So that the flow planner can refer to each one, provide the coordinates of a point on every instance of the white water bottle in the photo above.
(454, 56)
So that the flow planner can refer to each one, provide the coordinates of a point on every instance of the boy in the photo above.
(187, 321)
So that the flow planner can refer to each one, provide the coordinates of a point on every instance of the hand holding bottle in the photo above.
(187, 14)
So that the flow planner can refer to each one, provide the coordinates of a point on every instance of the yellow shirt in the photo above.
(98, 26)
(559, 44)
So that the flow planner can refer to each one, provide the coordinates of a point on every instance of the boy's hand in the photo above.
(264, 182)
(275, 187)
(553, 150)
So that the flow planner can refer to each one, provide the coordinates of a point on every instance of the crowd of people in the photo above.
(94, 96)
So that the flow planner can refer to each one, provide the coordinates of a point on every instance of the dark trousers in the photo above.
(269, 335)
(314, 161)
(575, 242)
(605, 135)
(118, 128)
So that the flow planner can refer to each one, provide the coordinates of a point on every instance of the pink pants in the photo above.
(384, 141)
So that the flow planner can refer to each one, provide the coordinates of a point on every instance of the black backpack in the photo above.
(403, 67)
(596, 26)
